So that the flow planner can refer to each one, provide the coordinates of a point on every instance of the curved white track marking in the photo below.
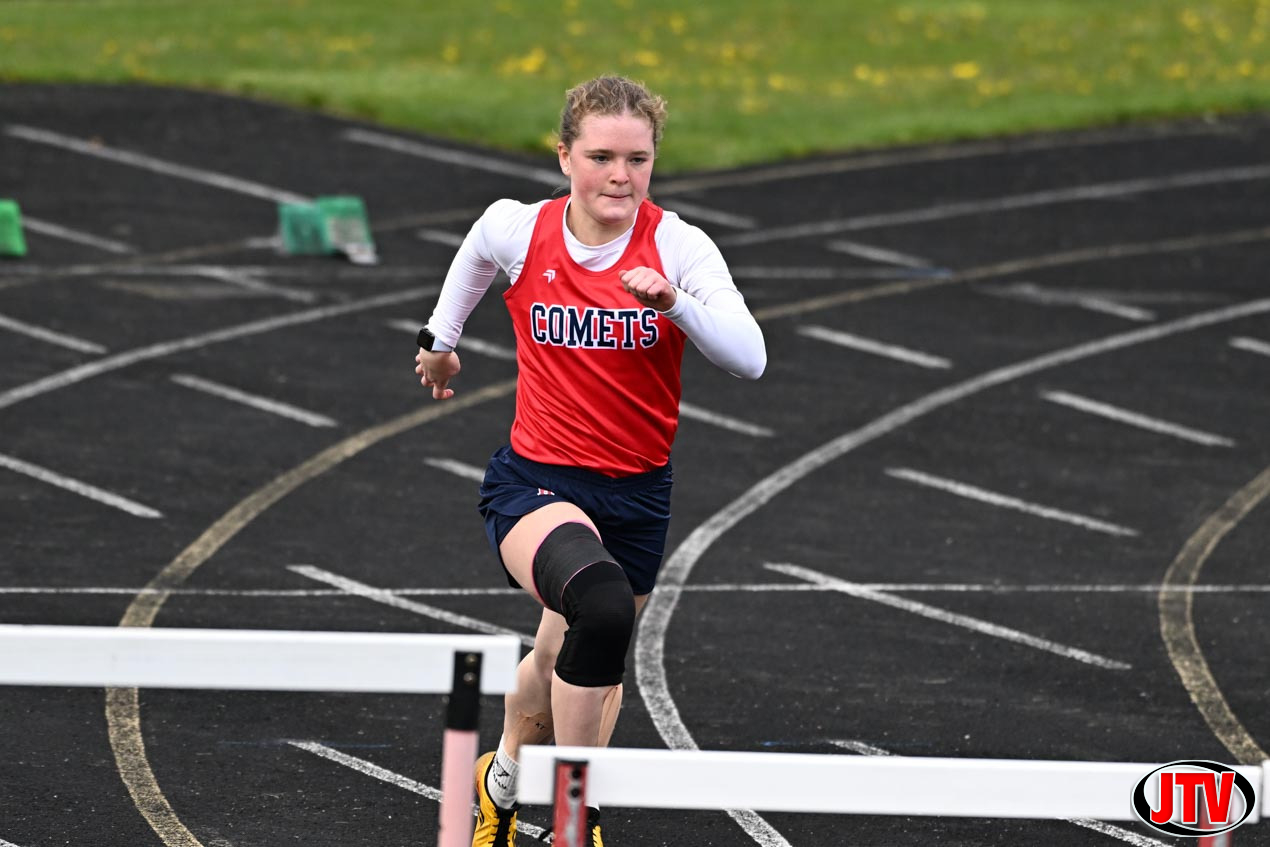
(155, 351)
(650, 645)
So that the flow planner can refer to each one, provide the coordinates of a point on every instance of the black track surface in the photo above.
(754, 669)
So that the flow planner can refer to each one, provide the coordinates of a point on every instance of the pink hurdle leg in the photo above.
(458, 752)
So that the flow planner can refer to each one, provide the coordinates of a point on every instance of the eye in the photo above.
(599, 160)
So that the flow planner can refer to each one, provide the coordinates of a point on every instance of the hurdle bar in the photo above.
(842, 784)
(463, 666)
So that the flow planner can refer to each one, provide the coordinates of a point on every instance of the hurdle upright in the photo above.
(463, 666)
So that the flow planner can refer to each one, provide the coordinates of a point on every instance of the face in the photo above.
(609, 166)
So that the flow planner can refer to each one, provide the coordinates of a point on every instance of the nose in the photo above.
(619, 173)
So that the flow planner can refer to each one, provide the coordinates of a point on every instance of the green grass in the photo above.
(747, 80)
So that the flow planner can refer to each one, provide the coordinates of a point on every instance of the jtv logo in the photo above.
(1194, 798)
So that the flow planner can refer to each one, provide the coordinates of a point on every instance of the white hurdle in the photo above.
(843, 784)
(463, 666)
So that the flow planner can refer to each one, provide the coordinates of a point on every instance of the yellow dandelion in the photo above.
(1246, 68)
(528, 64)
(576, 27)
(1177, 70)
(965, 70)
(646, 58)
(678, 23)
(863, 73)
(450, 54)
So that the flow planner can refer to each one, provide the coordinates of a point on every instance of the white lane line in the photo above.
(765, 273)
(255, 401)
(1121, 833)
(902, 158)
(494, 165)
(53, 230)
(650, 637)
(693, 210)
(388, 598)
(1033, 293)
(155, 165)
(713, 588)
(263, 592)
(83, 489)
(391, 777)
(459, 469)
(697, 413)
(991, 205)
(440, 236)
(351, 273)
(878, 254)
(476, 161)
(953, 618)
(877, 348)
(243, 279)
(1115, 413)
(1005, 501)
(78, 374)
(1125, 835)
(70, 342)
(859, 747)
(4, 843)
(1251, 345)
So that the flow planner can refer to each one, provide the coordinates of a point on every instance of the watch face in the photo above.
(425, 339)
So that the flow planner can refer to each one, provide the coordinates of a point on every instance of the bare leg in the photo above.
(527, 717)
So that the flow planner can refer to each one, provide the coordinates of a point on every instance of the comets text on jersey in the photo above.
(593, 328)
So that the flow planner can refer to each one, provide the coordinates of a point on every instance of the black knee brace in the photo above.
(578, 578)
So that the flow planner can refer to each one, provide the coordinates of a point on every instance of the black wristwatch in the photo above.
(428, 342)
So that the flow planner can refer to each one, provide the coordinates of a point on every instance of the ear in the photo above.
(563, 153)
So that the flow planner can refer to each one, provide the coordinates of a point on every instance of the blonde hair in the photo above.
(610, 95)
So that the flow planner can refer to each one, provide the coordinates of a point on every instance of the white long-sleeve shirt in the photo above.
(708, 307)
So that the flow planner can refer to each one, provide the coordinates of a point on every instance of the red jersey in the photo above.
(599, 372)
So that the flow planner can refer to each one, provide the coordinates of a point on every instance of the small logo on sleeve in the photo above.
(550, 275)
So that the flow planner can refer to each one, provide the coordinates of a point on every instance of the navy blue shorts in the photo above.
(632, 513)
